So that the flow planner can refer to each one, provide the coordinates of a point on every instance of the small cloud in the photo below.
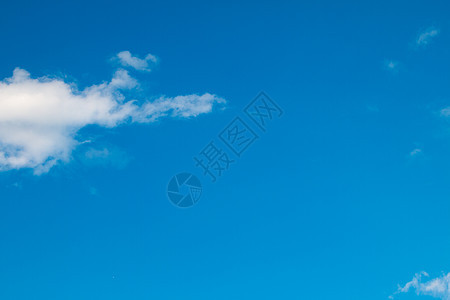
(93, 191)
(445, 112)
(109, 157)
(438, 287)
(415, 152)
(95, 153)
(372, 108)
(126, 59)
(424, 37)
(391, 66)
(15, 185)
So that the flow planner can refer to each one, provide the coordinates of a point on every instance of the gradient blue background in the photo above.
(327, 205)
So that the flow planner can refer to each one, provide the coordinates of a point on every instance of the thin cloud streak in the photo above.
(425, 37)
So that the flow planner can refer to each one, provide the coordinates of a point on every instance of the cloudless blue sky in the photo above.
(328, 204)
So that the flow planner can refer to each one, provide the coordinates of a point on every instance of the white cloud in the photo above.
(415, 152)
(126, 59)
(93, 191)
(106, 156)
(40, 117)
(391, 65)
(437, 287)
(445, 112)
(426, 36)
(373, 108)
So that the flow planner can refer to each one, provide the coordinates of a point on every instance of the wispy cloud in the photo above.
(126, 59)
(415, 152)
(391, 66)
(445, 112)
(437, 287)
(40, 117)
(424, 37)
(93, 191)
(106, 156)
(373, 108)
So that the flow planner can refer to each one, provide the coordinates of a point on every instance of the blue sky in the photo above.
(346, 196)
